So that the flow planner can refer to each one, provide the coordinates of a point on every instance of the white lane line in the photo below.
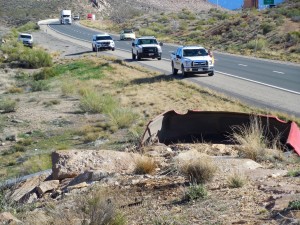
(257, 82)
(242, 65)
(278, 72)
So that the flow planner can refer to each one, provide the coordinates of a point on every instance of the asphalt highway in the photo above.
(264, 83)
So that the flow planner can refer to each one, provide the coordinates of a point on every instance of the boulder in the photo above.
(71, 163)
(47, 186)
(8, 218)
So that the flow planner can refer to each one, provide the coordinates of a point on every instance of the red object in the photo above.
(294, 137)
(90, 16)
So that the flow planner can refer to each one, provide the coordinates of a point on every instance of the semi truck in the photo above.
(65, 17)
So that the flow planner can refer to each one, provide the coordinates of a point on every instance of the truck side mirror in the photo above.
(132, 44)
(161, 44)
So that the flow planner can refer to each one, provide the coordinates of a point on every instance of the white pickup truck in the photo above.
(192, 60)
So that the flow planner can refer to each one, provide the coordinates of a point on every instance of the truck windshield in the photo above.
(100, 38)
(147, 41)
(194, 52)
(26, 36)
(66, 15)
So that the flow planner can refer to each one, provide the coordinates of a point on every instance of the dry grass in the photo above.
(255, 144)
(199, 170)
(251, 138)
(145, 165)
(236, 180)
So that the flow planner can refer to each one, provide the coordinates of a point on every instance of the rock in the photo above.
(71, 163)
(9, 219)
(56, 193)
(47, 186)
(22, 190)
(283, 203)
(77, 186)
(12, 137)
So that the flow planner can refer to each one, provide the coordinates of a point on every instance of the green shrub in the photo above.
(294, 205)
(195, 192)
(267, 27)
(40, 85)
(26, 57)
(46, 73)
(28, 27)
(8, 105)
(122, 117)
(94, 102)
(147, 32)
(294, 173)
(257, 44)
(35, 58)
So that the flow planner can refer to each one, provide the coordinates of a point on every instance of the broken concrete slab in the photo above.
(47, 186)
(23, 190)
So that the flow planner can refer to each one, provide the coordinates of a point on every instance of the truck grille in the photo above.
(200, 64)
(105, 44)
(149, 50)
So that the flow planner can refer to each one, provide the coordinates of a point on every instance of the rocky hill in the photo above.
(17, 12)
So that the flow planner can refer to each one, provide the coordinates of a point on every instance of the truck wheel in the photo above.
(113, 49)
(159, 57)
(133, 56)
(139, 57)
(94, 49)
(184, 74)
(174, 71)
(211, 73)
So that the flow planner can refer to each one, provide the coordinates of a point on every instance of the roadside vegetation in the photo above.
(14, 53)
(123, 98)
(126, 95)
(271, 33)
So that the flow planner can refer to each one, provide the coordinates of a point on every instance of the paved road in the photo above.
(264, 83)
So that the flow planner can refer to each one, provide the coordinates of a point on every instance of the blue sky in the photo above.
(236, 4)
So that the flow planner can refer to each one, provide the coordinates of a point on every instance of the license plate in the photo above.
(151, 53)
(200, 69)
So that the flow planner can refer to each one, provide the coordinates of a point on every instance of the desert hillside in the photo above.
(17, 13)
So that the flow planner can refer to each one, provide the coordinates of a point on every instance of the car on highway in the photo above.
(192, 60)
(26, 39)
(76, 17)
(127, 34)
(102, 42)
(146, 47)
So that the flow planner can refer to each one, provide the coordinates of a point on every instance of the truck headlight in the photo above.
(210, 62)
